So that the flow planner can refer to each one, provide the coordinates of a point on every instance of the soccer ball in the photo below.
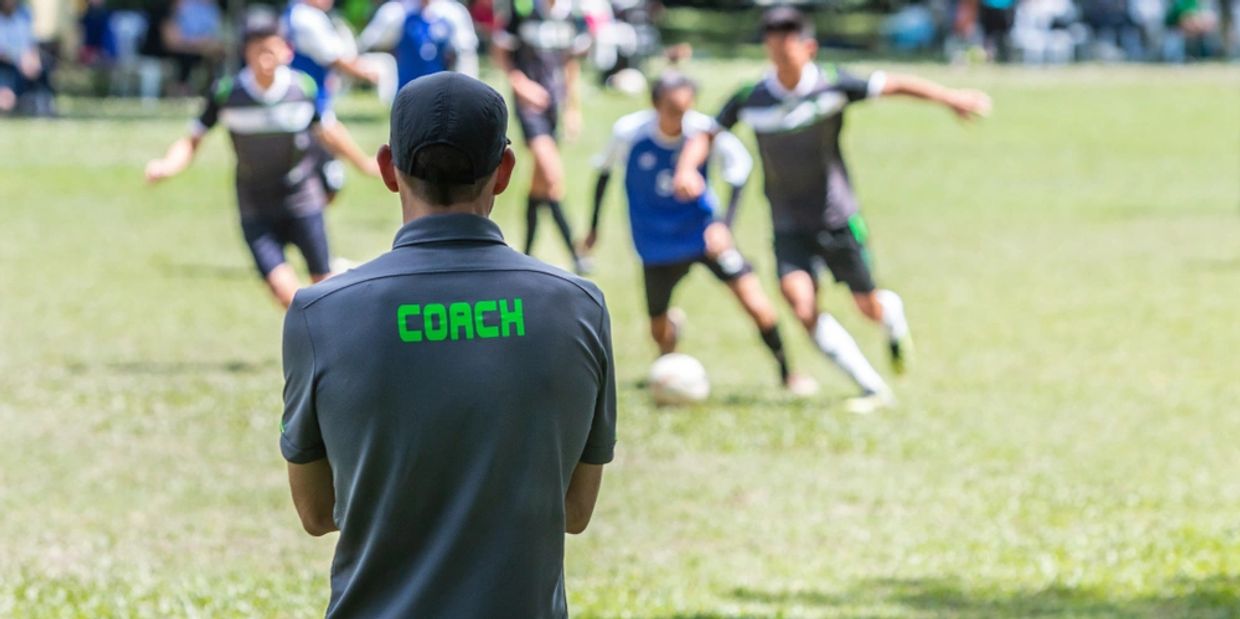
(676, 379)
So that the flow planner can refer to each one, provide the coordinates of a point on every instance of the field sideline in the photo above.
(1066, 446)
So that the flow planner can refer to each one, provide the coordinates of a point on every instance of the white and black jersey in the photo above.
(542, 36)
(271, 136)
(798, 135)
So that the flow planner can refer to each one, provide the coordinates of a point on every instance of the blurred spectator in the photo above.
(188, 33)
(483, 13)
(25, 71)
(1047, 32)
(98, 40)
(1113, 30)
(1192, 27)
(996, 18)
(910, 29)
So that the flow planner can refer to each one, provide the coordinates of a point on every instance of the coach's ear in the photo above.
(387, 170)
(503, 174)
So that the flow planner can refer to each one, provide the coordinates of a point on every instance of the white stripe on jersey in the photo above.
(286, 117)
(780, 118)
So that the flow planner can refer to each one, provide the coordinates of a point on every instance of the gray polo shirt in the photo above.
(453, 384)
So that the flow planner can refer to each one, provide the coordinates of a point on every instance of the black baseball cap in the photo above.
(449, 109)
(785, 18)
(668, 81)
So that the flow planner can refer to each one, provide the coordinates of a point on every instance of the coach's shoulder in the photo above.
(571, 285)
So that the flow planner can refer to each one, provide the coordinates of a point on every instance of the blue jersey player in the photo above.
(670, 234)
(419, 37)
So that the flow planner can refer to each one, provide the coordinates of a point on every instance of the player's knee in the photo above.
(868, 303)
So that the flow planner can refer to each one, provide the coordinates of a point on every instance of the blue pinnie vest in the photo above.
(424, 46)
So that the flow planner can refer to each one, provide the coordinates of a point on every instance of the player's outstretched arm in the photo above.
(340, 142)
(967, 104)
(357, 69)
(179, 156)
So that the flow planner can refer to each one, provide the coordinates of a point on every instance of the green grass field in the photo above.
(1066, 447)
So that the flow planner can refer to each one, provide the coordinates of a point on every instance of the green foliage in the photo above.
(1065, 448)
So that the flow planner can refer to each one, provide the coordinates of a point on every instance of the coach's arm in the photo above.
(314, 495)
(581, 497)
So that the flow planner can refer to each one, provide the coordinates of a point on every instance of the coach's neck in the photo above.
(414, 205)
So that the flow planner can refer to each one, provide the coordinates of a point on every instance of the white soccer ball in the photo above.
(677, 378)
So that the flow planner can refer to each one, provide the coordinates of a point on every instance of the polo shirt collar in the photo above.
(459, 227)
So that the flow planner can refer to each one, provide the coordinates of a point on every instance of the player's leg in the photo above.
(309, 234)
(660, 281)
(734, 271)
(848, 257)
(533, 127)
(798, 264)
(549, 186)
(266, 246)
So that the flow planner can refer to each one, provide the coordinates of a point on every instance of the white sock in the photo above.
(893, 314)
(835, 342)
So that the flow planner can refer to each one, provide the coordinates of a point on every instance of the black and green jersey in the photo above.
(542, 36)
(798, 134)
(271, 135)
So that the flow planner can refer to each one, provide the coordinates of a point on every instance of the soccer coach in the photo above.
(448, 406)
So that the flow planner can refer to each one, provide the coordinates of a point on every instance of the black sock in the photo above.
(771, 338)
(531, 221)
(557, 213)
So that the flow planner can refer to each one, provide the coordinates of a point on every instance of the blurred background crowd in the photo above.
(153, 49)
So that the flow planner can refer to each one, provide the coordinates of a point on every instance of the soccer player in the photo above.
(539, 50)
(270, 114)
(797, 113)
(670, 234)
(425, 37)
(320, 52)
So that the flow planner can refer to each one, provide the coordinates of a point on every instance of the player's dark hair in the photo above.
(259, 32)
(435, 175)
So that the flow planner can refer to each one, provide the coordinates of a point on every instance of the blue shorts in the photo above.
(267, 236)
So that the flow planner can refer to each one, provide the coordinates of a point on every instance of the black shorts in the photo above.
(661, 279)
(843, 251)
(267, 236)
(534, 124)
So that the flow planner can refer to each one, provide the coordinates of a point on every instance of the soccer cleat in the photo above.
(801, 385)
(902, 353)
(868, 403)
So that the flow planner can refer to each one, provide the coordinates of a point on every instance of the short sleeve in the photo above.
(300, 439)
(623, 133)
(211, 108)
(857, 88)
(383, 31)
(733, 159)
(731, 112)
(314, 36)
(601, 441)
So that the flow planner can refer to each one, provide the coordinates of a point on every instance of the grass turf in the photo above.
(1066, 446)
